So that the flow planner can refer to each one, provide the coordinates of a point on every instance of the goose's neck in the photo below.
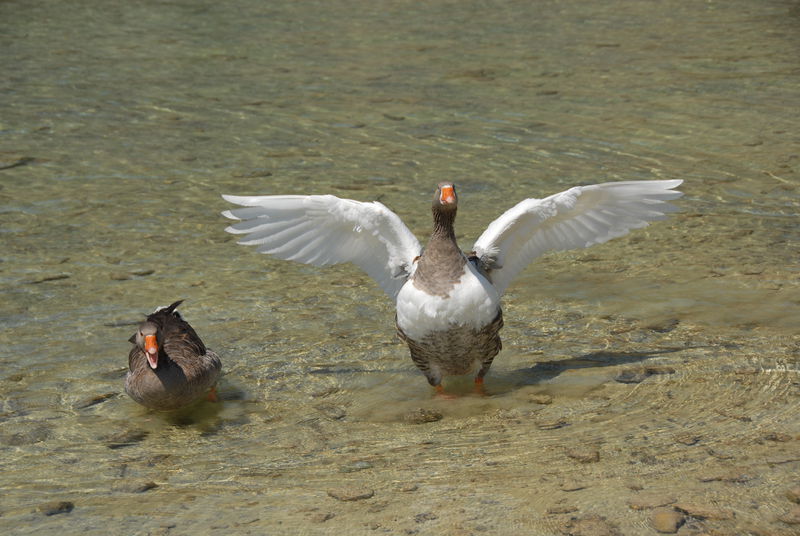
(443, 228)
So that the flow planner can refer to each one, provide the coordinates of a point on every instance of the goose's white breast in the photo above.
(472, 302)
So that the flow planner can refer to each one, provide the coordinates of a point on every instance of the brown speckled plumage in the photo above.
(185, 372)
(459, 350)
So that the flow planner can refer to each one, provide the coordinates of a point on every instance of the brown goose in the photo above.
(169, 366)
(448, 302)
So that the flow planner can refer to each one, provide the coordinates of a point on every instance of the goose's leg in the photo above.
(479, 386)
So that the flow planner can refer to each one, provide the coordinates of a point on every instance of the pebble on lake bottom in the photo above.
(92, 400)
(422, 415)
(688, 439)
(666, 520)
(584, 454)
(56, 507)
(590, 525)
(125, 438)
(732, 476)
(425, 516)
(702, 511)
(562, 509)
(793, 494)
(355, 467)
(572, 485)
(322, 517)
(541, 398)
(351, 493)
(792, 517)
(134, 487)
(648, 501)
(552, 425)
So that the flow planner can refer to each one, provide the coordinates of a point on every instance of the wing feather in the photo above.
(576, 218)
(324, 230)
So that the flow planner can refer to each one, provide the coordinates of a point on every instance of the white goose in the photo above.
(448, 302)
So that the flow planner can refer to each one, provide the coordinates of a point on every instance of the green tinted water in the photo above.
(120, 125)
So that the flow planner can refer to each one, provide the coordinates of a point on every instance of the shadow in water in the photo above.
(547, 370)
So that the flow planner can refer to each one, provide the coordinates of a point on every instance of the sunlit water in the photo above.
(121, 124)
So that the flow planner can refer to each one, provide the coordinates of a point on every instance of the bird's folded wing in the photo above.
(576, 218)
(324, 230)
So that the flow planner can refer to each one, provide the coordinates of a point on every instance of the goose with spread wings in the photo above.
(448, 301)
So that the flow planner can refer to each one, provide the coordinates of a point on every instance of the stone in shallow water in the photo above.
(702, 511)
(351, 493)
(590, 525)
(792, 517)
(425, 516)
(56, 507)
(572, 485)
(584, 454)
(552, 425)
(562, 509)
(541, 398)
(733, 476)
(632, 376)
(355, 466)
(666, 520)
(322, 517)
(125, 438)
(688, 439)
(647, 501)
(92, 401)
(134, 487)
(422, 415)
(639, 374)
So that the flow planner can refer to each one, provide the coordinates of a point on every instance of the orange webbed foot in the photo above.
(212, 395)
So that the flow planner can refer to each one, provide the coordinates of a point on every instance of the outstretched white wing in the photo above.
(324, 230)
(576, 218)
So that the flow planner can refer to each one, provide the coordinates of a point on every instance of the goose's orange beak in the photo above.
(151, 350)
(448, 194)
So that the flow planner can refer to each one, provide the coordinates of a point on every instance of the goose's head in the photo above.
(445, 199)
(147, 337)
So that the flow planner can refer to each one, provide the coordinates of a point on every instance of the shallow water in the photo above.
(120, 125)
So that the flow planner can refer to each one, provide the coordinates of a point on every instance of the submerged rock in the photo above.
(702, 511)
(422, 415)
(572, 485)
(648, 501)
(562, 509)
(322, 517)
(590, 525)
(56, 507)
(125, 438)
(792, 517)
(93, 400)
(425, 516)
(584, 454)
(666, 520)
(134, 487)
(351, 493)
(632, 376)
(541, 398)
